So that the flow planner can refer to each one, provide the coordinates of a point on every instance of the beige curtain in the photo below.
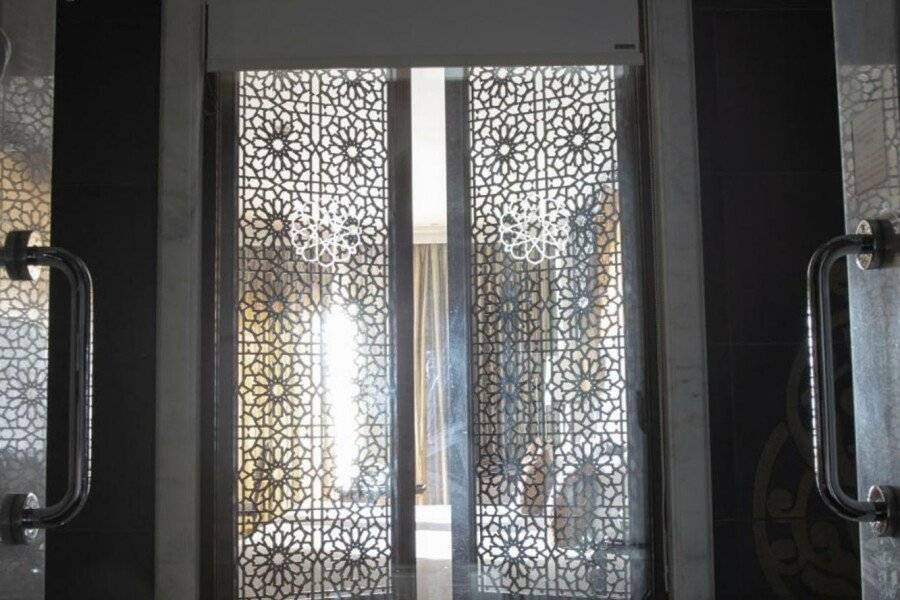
(431, 312)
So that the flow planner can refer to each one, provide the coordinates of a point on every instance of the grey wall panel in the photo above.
(262, 34)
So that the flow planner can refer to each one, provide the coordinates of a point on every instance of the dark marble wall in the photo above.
(771, 192)
(104, 209)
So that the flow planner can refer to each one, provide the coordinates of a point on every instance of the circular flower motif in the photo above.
(511, 475)
(357, 555)
(277, 479)
(534, 228)
(274, 560)
(580, 140)
(593, 221)
(274, 390)
(272, 305)
(582, 213)
(276, 146)
(267, 222)
(501, 473)
(503, 147)
(325, 231)
(26, 397)
(513, 551)
(266, 92)
(366, 305)
(355, 152)
(586, 378)
(592, 475)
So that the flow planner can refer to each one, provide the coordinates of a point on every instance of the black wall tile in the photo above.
(107, 87)
(772, 223)
(117, 565)
(104, 208)
(772, 73)
(720, 365)
(761, 400)
(731, 548)
(771, 192)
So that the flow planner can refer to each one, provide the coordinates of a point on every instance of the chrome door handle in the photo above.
(872, 244)
(20, 515)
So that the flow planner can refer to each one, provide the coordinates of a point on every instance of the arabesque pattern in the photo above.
(314, 343)
(552, 493)
(26, 144)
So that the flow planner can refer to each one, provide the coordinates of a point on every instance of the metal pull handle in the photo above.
(20, 515)
(871, 244)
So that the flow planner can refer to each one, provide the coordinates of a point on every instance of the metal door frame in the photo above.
(673, 184)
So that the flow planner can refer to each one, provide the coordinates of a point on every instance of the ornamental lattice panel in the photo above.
(314, 344)
(552, 501)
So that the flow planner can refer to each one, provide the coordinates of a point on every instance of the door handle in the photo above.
(20, 515)
(872, 245)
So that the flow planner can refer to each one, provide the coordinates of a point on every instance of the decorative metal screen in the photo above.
(548, 348)
(314, 416)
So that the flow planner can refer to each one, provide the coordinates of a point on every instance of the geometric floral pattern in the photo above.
(324, 235)
(534, 228)
(552, 492)
(313, 487)
(26, 134)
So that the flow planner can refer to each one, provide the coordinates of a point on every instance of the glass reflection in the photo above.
(340, 359)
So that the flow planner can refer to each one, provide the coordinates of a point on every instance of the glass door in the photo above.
(867, 40)
(27, 35)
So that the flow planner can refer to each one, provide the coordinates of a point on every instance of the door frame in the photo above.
(680, 299)
(677, 258)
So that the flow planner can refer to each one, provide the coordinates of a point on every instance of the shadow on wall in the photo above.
(802, 549)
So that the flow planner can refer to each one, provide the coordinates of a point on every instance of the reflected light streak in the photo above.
(340, 364)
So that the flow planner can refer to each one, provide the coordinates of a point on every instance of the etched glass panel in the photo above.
(314, 484)
(554, 464)
(26, 144)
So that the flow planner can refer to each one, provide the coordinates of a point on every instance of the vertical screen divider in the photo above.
(403, 520)
(459, 444)
(637, 245)
(219, 363)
